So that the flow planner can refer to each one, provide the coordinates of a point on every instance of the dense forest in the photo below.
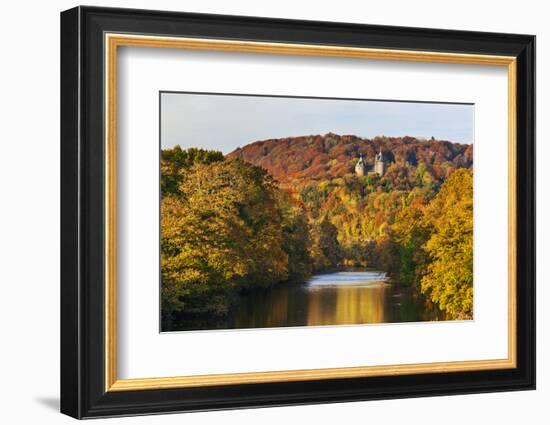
(304, 159)
(279, 210)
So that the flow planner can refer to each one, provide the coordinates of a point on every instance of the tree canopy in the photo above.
(449, 276)
(227, 226)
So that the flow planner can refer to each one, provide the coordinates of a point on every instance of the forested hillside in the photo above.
(312, 158)
(279, 210)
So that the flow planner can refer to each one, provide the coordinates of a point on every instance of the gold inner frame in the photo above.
(113, 41)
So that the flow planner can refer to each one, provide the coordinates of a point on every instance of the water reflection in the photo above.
(350, 297)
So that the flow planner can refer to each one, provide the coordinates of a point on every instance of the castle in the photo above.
(380, 164)
(361, 168)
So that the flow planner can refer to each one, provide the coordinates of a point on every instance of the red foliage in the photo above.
(299, 159)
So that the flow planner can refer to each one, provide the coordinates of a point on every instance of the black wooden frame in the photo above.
(82, 217)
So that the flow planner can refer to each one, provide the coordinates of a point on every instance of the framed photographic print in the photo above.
(261, 212)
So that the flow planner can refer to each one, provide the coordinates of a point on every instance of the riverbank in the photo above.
(348, 296)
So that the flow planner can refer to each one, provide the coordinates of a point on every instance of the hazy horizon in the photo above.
(226, 122)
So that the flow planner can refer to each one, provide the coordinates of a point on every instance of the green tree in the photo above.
(176, 160)
(387, 256)
(411, 231)
(296, 238)
(325, 250)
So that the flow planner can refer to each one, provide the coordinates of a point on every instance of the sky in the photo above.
(226, 122)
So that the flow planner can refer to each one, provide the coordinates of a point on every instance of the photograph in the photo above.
(286, 211)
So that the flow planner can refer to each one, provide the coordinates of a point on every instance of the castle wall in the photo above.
(379, 167)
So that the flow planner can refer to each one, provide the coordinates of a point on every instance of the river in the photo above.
(353, 296)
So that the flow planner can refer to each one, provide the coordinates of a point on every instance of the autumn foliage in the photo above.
(225, 227)
(278, 210)
(295, 160)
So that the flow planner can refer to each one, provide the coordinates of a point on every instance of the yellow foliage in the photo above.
(449, 277)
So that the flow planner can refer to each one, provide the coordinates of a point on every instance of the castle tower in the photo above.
(379, 164)
(361, 167)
